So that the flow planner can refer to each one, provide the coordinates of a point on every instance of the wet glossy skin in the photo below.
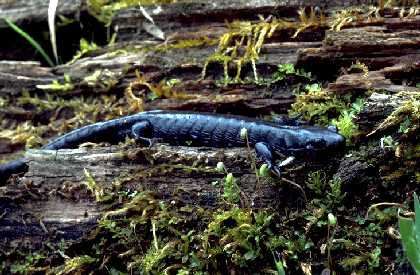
(196, 129)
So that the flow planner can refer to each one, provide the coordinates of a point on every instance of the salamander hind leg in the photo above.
(139, 131)
(264, 152)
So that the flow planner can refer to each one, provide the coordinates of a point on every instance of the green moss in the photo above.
(163, 89)
(103, 79)
(26, 134)
(77, 264)
(66, 86)
(320, 107)
(284, 71)
(26, 266)
(406, 116)
(344, 17)
(186, 43)
(186, 239)
(104, 10)
(317, 105)
(85, 48)
(99, 193)
(242, 44)
(345, 122)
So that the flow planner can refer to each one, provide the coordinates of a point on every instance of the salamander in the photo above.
(198, 129)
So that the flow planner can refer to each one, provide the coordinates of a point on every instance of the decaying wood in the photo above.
(377, 47)
(52, 201)
(357, 171)
(165, 169)
(380, 106)
(380, 80)
(34, 11)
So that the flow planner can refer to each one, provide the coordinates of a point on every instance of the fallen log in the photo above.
(64, 192)
(391, 157)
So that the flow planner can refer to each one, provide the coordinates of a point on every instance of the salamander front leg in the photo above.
(264, 152)
(139, 131)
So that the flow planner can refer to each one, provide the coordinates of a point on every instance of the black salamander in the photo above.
(198, 129)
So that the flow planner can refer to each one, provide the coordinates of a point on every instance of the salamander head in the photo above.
(309, 139)
(324, 140)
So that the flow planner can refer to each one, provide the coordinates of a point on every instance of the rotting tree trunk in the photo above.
(51, 202)
(377, 47)
(387, 79)
(362, 169)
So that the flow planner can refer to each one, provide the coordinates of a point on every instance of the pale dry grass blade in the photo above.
(52, 9)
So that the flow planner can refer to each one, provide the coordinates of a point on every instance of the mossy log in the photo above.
(53, 200)
(374, 165)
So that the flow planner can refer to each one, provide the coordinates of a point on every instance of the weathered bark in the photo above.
(377, 47)
(36, 10)
(366, 166)
(52, 202)
(383, 80)
(16, 76)
(380, 106)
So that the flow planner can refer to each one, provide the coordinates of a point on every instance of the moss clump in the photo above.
(146, 235)
(104, 10)
(149, 91)
(187, 43)
(76, 264)
(66, 86)
(26, 134)
(401, 140)
(351, 15)
(242, 44)
(85, 48)
(406, 117)
(103, 79)
(318, 106)
(27, 265)
(345, 122)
